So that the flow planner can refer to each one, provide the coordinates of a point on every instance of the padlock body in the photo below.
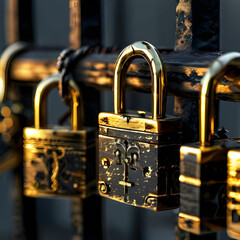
(233, 186)
(203, 175)
(140, 168)
(59, 162)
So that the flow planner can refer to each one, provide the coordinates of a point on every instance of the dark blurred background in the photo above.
(123, 22)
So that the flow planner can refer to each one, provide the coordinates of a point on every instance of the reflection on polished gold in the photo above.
(40, 103)
(28, 70)
(234, 195)
(189, 180)
(187, 222)
(158, 71)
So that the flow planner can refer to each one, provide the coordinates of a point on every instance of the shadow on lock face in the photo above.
(59, 161)
(139, 153)
(203, 165)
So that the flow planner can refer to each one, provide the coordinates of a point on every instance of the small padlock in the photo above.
(59, 161)
(203, 165)
(139, 153)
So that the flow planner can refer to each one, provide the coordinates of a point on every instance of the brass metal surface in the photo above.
(223, 65)
(137, 122)
(193, 221)
(203, 184)
(158, 72)
(68, 149)
(233, 205)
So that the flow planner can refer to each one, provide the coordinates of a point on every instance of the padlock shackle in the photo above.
(220, 67)
(158, 73)
(40, 108)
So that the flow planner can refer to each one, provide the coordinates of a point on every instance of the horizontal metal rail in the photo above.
(184, 71)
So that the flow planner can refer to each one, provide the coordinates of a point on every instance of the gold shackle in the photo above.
(5, 62)
(208, 93)
(40, 102)
(158, 73)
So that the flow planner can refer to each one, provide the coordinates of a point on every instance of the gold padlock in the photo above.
(139, 152)
(203, 165)
(58, 161)
(233, 203)
(233, 180)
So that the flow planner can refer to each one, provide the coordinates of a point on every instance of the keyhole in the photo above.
(118, 155)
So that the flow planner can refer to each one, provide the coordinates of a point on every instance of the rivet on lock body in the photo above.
(59, 161)
(139, 154)
(203, 165)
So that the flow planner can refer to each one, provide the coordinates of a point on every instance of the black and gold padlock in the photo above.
(139, 153)
(203, 165)
(58, 161)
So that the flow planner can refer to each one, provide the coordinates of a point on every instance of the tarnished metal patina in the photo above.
(184, 26)
(203, 165)
(58, 161)
(139, 153)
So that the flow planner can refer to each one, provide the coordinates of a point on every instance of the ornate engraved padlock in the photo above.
(203, 165)
(138, 153)
(59, 161)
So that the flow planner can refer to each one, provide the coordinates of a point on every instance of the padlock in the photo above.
(203, 165)
(233, 186)
(233, 179)
(139, 153)
(59, 161)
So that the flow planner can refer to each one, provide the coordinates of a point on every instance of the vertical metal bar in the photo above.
(19, 21)
(85, 23)
(197, 29)
(85, 29)
(19, 28)
(197, 25)
(75, 24)
(12, 22)
(25, 219)
(184, 35)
